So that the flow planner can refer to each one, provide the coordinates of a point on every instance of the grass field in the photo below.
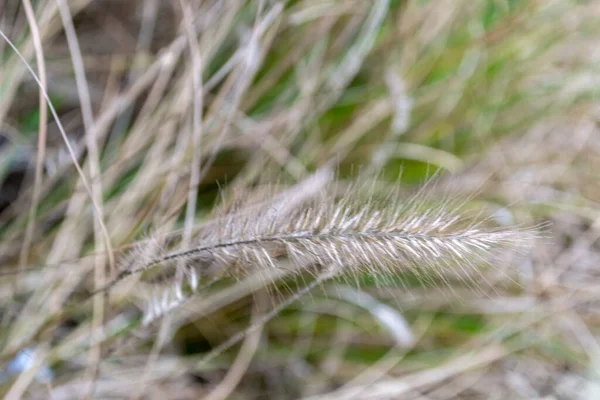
(335, 199)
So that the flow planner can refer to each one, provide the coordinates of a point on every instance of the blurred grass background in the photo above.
(496, 96)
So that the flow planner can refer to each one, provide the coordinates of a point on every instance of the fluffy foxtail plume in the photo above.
(356, 230)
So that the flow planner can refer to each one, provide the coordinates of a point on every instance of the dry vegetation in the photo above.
(225, 199)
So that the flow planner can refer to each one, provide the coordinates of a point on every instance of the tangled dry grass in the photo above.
(229, 199)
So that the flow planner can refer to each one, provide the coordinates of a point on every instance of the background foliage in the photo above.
(180, 110)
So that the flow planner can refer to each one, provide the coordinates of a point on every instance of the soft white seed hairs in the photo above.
(377, 233)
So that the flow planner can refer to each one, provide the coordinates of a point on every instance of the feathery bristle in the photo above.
(379, 234)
